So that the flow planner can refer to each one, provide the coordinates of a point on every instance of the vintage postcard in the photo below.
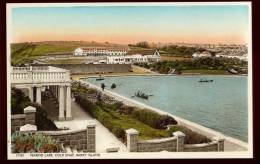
(129, 80)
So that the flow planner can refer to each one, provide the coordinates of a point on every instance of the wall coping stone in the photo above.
(178, 134)
(28, 127)
(91, 124)
(160, 140)
(131, 131)
(29, 109)
(218, 138)
(200, 145)
(62, 132)
(17, 116)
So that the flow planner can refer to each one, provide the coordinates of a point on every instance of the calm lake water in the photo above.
(220, 105)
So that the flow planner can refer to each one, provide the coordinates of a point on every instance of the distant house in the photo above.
(201, 54)
(151, 55)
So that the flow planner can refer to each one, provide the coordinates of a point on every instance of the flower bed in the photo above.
(34, 143)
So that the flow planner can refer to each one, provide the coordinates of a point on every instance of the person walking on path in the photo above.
(103, 86)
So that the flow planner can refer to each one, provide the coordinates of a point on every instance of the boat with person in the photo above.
(205, 80)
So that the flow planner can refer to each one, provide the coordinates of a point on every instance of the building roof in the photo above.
(114, 48)
(143, 52)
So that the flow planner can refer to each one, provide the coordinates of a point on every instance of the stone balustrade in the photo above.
(44, 74)
(171, 144)
(37, 78)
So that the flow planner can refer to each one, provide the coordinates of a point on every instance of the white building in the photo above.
(100, 51)
(128, 59)
(201, 54)
(141, 56)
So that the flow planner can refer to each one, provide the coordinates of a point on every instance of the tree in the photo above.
(143, 44)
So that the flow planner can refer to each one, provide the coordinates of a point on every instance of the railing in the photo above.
(43, 74)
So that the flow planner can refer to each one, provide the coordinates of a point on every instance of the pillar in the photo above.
(55, 92)
(91, 138)
(132, 140)
(39, 95)
(31, 94)
(29, 115)
(68, 103)
(61, 103)
(180, 140)
(220, 141)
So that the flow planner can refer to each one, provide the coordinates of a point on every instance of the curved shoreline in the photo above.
(231, 142)
(122, 75)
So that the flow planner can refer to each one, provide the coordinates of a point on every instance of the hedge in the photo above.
(153, 119)
(105, 118)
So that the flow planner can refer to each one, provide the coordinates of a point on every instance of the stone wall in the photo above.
(84, 139)
(94, 68)
(211, 146)
(171, 144)
(19, 120)
(157, 145)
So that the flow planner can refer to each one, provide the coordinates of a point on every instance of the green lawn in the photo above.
(25, 52)
(145, 131)
(206, 72)
(22, 53)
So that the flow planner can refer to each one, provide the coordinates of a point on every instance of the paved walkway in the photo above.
(104, 138)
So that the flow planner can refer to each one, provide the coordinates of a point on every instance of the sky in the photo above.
(131, 24)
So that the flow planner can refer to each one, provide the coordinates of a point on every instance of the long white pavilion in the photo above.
(42, 77)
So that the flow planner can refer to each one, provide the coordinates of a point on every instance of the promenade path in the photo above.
(104, 138)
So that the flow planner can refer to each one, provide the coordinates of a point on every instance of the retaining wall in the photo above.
(211, 146)
(157, 145)
(84, 139)
(171, 144)
(94, 68)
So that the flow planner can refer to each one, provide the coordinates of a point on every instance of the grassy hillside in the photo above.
(25, 52)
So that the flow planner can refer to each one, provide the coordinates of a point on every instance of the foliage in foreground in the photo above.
(36, 143)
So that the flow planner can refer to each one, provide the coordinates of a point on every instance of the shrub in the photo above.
(153, 119)
(164, 121)
(19, 101)
(126, 109)
(191, 137)
(28, 142)
(118, 131)
(113, 86)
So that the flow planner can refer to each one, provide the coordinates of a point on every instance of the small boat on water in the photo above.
(205, 80)
(141, 95)
(100, 78)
